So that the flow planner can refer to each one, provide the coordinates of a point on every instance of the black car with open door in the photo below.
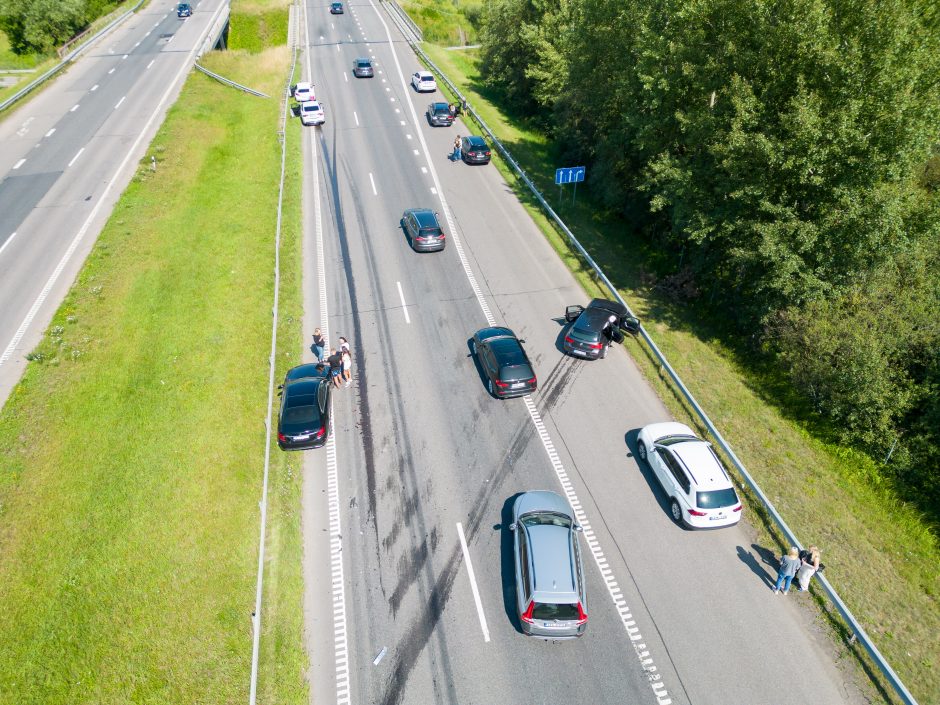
(304, 419)
(594, 328)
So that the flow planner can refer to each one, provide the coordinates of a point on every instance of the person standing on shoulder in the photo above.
(789, 564)
(336, 366)
(319, 344)
(808, 568)
(456, 155)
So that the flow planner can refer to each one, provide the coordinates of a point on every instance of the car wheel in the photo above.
(676, 511)
(641, 451)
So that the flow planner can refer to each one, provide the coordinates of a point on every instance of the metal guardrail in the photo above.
(402, 17)
(68, 59)
(858, 631)
(228, 82)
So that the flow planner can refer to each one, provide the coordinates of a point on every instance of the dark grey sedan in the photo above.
(473, 150)
(304, 419)
(439, 115)
(504, 362)
(603, 322)
(423, 230)
(362, 68)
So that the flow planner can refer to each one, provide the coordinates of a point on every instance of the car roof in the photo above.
(309, 370)
(475, 139)
(301, 85)
(614, 307)
(424, 74)
(552, 562)
(701, 462)
(299, 389)
(310, 105)
(508, 351)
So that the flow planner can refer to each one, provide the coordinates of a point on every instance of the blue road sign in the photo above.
(569, 175)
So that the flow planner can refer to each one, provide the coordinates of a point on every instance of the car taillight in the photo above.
(696, 513)
(501, 384)
(320, 432)
(738, 508)
(530, 381)
(595, 346)
(473, 154)
(569, 339)
(527, 615)
(487, 153)
(421, 238)
(582, 617)
(281, 437)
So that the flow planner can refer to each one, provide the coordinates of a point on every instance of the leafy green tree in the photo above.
(39, 26)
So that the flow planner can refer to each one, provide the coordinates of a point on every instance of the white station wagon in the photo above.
(423, 81)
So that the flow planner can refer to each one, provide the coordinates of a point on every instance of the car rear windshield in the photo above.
(516, 373)
(546, 519)
(476, 143)
(430, 232)
(584, 336)
(301, 411)
(548, 611)
(716, 499)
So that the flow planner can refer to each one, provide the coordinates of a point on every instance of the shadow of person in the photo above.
(767, 556)
(756, 566)
(507, 563)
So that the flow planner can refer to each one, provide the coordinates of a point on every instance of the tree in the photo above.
(39, 26)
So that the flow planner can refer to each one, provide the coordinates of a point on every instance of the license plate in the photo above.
(578, 352)
(302, 437)
(518, 384)
(715, 518)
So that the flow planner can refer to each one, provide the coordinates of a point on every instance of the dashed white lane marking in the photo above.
(397, 110)
(424, 170)
(151, 63)
(73, 108)
(416, 151)
(157, 24)
(49, 134)
(384, 80)
(93, 88)
(126, 55)
(403, 122)
(434, 190)
(148, 34)
(392, 99)
(111, 71)
(387, 89)
(337, 47)
(355, 116)
(404, 306)
(20, 163)
(9, 240)
(77, 155)
(473, 583)
(372, 181)
(119, 103)
(642, 653)
(137, 45)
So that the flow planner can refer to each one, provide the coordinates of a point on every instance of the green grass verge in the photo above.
(256, 31)
(448, 24)
(880, 554)
(132, 450)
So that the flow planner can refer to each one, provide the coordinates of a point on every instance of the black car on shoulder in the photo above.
(184, 9)
(594, 328)
(439, 115)
(504, 362)
(336, 8)
(304, 419)
(423, 230)
(473, 150)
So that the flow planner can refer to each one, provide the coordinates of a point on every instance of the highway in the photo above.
(67, 153)
(422, 456)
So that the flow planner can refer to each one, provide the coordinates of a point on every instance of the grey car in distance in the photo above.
(423, 230)
(362, 68)
(550, 595)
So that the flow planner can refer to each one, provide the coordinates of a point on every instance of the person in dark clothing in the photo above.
(336, 367)
(319, 344)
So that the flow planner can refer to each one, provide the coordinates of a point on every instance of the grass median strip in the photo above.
(881, 556)
(132, 450)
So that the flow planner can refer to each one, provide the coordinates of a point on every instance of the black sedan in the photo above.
(362, 68)
(439, 115)
(473, 150)
(184, 9)
(304, 419)
(336, 8)
(603, 322)
(423, 230)
(504, 362)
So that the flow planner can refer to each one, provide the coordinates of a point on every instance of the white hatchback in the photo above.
(311, 113)
(700, 491)
(423, 81)
(303, 92)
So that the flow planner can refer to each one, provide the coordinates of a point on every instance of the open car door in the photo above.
(630, 324)
(572, 313)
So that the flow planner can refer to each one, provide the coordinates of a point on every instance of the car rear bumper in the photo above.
(312, 121)
(476, 160)
(514, 393)
(584, 353)
(560, 633)
(434, 247)
(706, 523)
(303, 445)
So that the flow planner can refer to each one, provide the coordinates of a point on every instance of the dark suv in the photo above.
(439, 115)
(423, 230)
(505, 364)
(603, 322)
(304, 419)
(473, 150)
(184, 9)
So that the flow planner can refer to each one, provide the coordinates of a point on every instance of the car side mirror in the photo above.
(630, 324)
(578, 528)
(522, 340)
(512, 527)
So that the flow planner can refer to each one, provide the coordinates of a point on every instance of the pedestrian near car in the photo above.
(789, 564)
(452, 109)
(343, 345)
(336, 366)
(347, 366)
(319, 344)
(809, 565)
(456, 155)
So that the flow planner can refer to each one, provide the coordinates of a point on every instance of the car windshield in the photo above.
(546, 519)
(716, 499)
(364, 64)
(547, 611)
(672, 440)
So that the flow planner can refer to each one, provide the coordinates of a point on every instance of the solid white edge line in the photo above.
(49, 134)
(20, 163)
(74, 108)
(372, 181)
(93, 88)
(119, 103)
(77, 155)
(151, 63)
(473, 583)
(9, 240)
(404, 306)
(355, 116)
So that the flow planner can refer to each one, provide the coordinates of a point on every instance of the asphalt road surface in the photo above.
(67, 154)
(421, 452)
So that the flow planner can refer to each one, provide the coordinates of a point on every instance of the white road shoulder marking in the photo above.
(119, 103)
(49, 134)
(126, 55)
(372, 181)
(404, 307)
(74, 108)
(356, 117)
(77, 155)
(93, 88)
(151, 63)
(20, 163)
(9, 240)
(111, 71)
(473, 583)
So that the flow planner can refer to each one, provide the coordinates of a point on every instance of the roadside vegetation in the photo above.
(132, 450)
(453, 23)
(833, 489)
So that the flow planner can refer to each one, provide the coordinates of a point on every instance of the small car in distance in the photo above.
(550, 594)
(303, 91)
(336, 8)
(700, 491)
(304, 419)
(311, 113)
(423, 230)
(473, 150)
(504, 362)
(184, 9)
(362, 68)
(423, 81)
(439, 115)
(595, 327)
